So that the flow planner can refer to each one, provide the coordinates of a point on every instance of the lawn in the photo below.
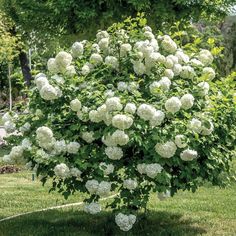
(210, 211)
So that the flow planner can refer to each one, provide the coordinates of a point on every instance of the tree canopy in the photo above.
(74, 16)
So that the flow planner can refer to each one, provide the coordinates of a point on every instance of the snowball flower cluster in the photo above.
(46, 90)
(173, 105)
(107, 168)
(188, 155)
(62, 170)
(151, 170)
(130, 184)
(94, 187)
(125, 222)
(92, 208)
(166, 150)
(122, 122)
(114, 153)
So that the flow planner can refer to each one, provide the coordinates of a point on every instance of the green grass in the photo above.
(209, 211)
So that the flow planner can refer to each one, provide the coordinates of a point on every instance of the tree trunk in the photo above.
(24, 63)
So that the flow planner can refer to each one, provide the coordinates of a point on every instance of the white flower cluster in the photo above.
(122, 122)
(166, 150)
(151, 170)
(148, 112)
(63, 171)
(119, 137)
(62, 63)
(125, 222)
(9, 122)
(92, 208)
(204, 128)
(188, 155)
(44, 137)
(114, 153)
(130, 184)
(46, 91)
(106, 168)
(88, 136)
(94, 187)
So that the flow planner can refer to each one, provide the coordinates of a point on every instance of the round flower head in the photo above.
(122, 121)
(62, 170)
(73, 147)
(188, 155)
(48, 92)
(92, 186)
(173, 105)
(205, 57)
(122, 86)
(96, 59)
(63, 59)
(125, 222)
(180, 141)
(195, 125)
(209, 73)
(166, 150)
(114, 153)
(92, 208)
(203, 88)
(77, 49)
(112, 61)
(187, 101)
(75, 105)
(130, 108)
(52, 66)
(146, 112)
(124, 49)
(113, 104)
(41, 81)
(130, 184)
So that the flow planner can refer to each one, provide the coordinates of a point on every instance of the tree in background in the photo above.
(85, 16)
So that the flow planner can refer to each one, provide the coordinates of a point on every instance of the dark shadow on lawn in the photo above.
(66, 223)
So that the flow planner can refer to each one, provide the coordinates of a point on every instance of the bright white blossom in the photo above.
(146, 112)
(62, 170)
(203, 88)
(73, 147)
(88, 136)
(48, 92)
(125, 222)
(96, 59)
(173, 105)
(75, 105)
(205, 57)
(130, 108)
(114, 104)
(166, 150)
(114, 153)
(195, 125)
(130, 184)
(92, 208)
(77, 49)
(187, 101)
(122, 122)
(106, 168)
(209, 73)
(180, 141)
(188, 155)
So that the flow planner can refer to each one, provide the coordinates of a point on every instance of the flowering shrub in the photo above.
(131, 113)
